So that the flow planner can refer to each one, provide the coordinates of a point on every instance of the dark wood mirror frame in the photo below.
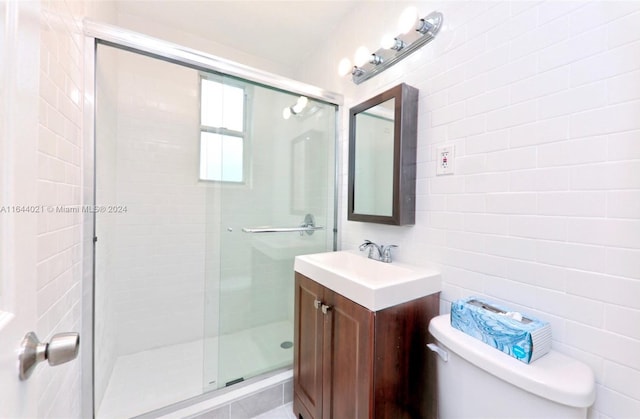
(404, 155)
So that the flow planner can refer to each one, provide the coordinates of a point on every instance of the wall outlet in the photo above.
(445, 160)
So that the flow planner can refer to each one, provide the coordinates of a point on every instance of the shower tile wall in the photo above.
(542, 101)
(158, 270)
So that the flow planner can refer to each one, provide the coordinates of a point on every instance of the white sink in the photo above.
(370, 283)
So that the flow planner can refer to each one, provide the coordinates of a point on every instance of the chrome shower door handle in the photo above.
(62, 348)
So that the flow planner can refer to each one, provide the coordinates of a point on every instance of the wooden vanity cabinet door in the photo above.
(347, 359)
(308, 353)
(352, 363)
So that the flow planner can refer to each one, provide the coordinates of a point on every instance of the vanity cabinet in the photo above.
(351, 362)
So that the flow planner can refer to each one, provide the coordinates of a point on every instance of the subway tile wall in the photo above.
(59, 251)
(542, 101)
(157, 274)
(62, 181)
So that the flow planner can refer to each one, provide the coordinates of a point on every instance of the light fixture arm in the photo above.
(425, 31)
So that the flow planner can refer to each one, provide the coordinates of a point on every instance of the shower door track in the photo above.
(100, 33)
(143, 44)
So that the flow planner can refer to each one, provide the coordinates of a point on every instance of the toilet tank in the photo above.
(476, 380)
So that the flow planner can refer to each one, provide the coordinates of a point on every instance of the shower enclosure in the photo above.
(206, 187)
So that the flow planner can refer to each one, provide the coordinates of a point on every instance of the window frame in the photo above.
(244, 135)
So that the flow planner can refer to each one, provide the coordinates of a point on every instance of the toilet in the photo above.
(476, 380)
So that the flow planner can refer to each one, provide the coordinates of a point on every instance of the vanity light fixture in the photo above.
(393, 48)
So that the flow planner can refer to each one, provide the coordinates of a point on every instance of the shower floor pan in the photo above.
(156, 378)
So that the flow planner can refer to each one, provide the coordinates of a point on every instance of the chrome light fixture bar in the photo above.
(426, 30)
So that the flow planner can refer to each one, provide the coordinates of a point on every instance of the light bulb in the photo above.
(286, 113)
(361, 56)
(300, 104)
(388, 41)
(344, 67)
(407, 19)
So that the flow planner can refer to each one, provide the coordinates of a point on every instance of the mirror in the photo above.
(382, 157)
(308, 185)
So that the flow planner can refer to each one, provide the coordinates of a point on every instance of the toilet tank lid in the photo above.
(554, 376)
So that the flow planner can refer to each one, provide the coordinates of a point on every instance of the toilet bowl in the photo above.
(476, 380)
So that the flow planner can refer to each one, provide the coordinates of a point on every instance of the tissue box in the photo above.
(522, 337)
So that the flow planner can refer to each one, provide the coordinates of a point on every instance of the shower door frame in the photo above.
(99, 33)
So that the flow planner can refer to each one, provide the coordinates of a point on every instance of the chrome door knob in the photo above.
(62, 348)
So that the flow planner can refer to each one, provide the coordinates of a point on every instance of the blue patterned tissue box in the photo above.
(522, 337)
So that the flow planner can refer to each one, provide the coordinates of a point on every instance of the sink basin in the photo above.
(370, 283)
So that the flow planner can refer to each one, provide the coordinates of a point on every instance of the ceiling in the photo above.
(281, 31)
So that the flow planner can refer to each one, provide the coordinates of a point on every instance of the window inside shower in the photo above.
(187, 299)
(223, 126)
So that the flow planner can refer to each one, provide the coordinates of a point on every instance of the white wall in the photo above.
(542, 101)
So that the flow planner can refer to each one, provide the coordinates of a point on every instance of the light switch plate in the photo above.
(445, 160)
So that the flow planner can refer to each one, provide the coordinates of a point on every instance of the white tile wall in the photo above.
(59, 183)
(542, 101)
(156, 279)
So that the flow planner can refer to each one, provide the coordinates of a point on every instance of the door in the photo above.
(262, 206)
(18, 137)
(348, 359)
(333, 366)
(189, 160)
(308, 334)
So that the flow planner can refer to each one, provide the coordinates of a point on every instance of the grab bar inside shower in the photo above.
(308, 226)
(281, 229)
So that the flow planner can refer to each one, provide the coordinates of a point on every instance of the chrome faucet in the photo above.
(378, 252)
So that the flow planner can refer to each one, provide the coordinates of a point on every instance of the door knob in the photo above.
(62, 348)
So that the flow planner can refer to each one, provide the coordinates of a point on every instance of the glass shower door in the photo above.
(185, 300)
(288, 176)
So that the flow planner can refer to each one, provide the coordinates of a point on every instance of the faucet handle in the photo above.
(386, 253)
(366, 244)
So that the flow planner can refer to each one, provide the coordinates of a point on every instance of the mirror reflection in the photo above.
(374, 144)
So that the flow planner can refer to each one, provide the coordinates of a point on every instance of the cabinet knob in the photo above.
(325, 308)
(316, 304)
